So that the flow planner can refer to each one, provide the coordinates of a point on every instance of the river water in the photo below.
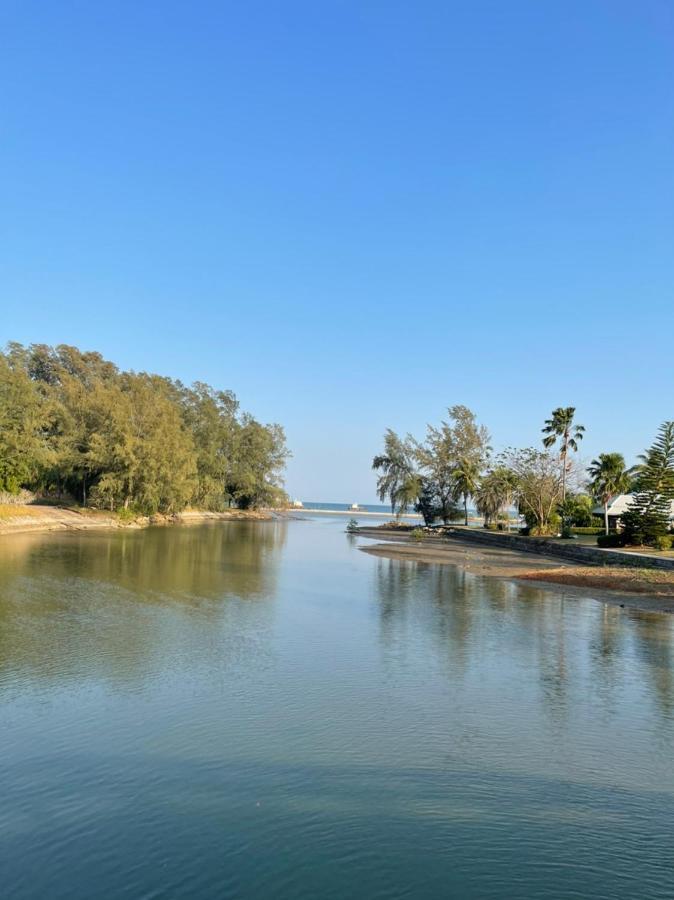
(261, 710)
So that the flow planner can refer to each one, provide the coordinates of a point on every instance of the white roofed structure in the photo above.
(620, 505)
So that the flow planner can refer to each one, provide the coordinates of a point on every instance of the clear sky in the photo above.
(352, 214)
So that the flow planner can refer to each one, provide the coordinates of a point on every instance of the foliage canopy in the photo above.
(72, 423)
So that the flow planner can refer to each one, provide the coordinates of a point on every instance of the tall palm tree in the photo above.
(609, 477)
(560, 426)
(466, 478)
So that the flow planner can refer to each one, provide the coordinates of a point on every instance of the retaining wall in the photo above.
(572, 550)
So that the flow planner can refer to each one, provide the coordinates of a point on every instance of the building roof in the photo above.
(621, 504)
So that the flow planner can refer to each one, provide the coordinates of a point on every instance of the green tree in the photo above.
(259, 457)
(397, 480)
(466, 481)
(538, 487)
(648, 517)
(427, 503)
(495, 494)
(143, 452)
(23, 450)
(459, 443)
(211, 417)
(560, 427)
(71, 421)
(608, 479)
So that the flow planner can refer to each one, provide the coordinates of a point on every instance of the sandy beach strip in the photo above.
(17, 519)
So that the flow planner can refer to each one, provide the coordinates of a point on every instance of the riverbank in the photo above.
(18, 519)
(637, 588)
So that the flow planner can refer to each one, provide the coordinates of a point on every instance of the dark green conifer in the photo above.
(649, 516)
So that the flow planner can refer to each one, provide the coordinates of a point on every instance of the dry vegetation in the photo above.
(12, 511)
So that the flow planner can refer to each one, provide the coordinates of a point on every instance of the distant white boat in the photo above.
(297, 504)
(354, 507)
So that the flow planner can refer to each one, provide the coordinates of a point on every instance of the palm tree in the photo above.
(495, 493)
(609, 477)
(561, 426)
(466, 478)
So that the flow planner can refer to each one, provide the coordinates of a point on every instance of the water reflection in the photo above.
(654, 644)
(118, 603)
(567, 641)
(262, 710)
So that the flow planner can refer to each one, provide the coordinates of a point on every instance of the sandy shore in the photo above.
(21, 519)
(646, 589)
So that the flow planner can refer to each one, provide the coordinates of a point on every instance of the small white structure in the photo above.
(354, 507)
(618, 506)
(297, 504)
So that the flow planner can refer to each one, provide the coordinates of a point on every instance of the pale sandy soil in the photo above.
(647, 589)
(18, 519)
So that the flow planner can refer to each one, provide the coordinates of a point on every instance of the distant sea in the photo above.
(382, 508)
(345, 507)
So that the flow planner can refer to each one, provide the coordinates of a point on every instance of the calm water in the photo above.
(261, 710)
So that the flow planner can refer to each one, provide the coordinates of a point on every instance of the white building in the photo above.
(620, 505)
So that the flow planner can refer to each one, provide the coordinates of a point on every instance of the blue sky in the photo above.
(352, 214)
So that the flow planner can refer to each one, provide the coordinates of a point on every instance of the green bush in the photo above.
(590, 529)
(417, 534)
(352, 525)
(664, 542)
(610, 540)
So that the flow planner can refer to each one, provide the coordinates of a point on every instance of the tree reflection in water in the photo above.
(51, 584)
(540, 627)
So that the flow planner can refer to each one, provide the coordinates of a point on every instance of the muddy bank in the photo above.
(645, 589)
(21, 519)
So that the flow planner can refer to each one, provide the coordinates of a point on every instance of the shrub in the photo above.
(610, 540)
(417, 534)
(352, 525)
(590, 529)
(664, 542)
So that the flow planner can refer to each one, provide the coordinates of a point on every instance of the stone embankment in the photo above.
(568, 550)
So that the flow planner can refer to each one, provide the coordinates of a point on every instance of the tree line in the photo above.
(72, 424)
(455, 463)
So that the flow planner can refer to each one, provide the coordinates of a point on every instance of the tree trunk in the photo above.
(606, 516)
(465, 507)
